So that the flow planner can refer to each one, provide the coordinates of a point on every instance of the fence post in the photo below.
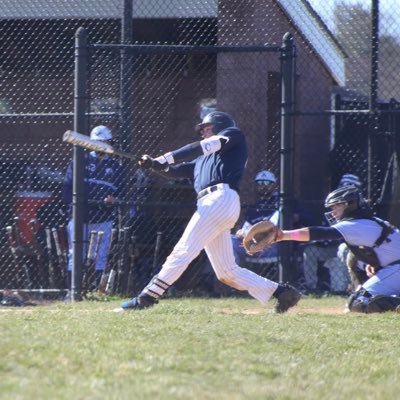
(126, 123)
(78, 191)
(287, 262)
(373, 88)
(374, 55)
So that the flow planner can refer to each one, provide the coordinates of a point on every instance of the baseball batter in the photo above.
(372, 241)
(218, 162)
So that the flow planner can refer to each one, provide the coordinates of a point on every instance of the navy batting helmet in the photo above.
(220, 121)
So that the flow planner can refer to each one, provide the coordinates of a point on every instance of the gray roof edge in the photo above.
(317, 35)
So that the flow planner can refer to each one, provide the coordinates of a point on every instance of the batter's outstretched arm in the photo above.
(318, 233)
(193, 150)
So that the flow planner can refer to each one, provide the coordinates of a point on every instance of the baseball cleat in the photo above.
(287, 298)
(139, 302)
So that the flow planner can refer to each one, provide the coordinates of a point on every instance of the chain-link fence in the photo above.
(152, 100)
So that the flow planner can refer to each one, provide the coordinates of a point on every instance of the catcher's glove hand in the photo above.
(260, 236)
(148, 162)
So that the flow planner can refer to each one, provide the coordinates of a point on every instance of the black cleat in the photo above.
(139, 302)
(288, 297)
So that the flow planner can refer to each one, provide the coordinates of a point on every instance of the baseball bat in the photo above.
(22, 254)
(157, 251)
(88, 264)
(50, 259)
(96, 145)
(112, 260)
(132, 266)
(122, 261)
(13, 246)
(108, 268)
(62, 267)
(38, 251)
(93, 276)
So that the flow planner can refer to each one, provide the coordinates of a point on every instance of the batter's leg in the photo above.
(215, 213)
(220, 253)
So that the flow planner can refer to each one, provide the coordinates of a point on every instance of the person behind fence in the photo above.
(216, 168)
(372, 240)
(265, 208)
(320, 255)
(103, 183)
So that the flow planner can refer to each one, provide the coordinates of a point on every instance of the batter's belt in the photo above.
(213, 188)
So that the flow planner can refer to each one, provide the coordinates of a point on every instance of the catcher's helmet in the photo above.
(348, 195)
(220, 120)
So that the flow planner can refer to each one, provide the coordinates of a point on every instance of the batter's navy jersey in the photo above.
(224, 166)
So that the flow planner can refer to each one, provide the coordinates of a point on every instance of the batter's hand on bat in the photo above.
(148, 162)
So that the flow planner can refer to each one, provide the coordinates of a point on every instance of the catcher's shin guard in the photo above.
(363, 302)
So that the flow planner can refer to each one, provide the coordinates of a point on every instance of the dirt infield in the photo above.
(295, 310)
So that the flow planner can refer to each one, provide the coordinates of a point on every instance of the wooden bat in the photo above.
(157, 250)
(108, 268)
(92, 277)
(96, 145)
(38, 251)
(50, 259)
(132, 266)
(88, 265)
(62, 265)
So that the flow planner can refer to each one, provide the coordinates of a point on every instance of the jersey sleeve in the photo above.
(358, 232)
(232, 137)
(182, 170)
(320, 233)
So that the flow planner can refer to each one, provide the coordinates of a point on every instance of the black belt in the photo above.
(213, 188)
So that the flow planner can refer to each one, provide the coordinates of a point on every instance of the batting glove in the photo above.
(155, 164)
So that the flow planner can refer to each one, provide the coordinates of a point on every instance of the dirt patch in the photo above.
(295, 310)
(320, 310)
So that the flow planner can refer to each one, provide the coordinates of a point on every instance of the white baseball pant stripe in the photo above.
(209, 229)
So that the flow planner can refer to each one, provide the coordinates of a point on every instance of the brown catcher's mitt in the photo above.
(261, 235)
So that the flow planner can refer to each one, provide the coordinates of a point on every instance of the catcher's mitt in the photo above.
(261, 235)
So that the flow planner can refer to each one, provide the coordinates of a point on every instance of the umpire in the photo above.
(218, 162)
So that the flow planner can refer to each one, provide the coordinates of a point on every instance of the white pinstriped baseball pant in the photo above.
(209, 229)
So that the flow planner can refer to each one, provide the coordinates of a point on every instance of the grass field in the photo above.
(195, 348)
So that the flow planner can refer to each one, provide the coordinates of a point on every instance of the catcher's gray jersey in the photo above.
(365, 232)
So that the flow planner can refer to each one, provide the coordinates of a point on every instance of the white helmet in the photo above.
(265, 176)
(101, 132)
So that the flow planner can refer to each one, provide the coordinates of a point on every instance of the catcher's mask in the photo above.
(218, 119)
(348, 195)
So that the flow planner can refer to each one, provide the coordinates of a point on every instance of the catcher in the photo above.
(373, 241)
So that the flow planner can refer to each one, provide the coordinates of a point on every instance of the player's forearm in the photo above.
(298, 235)
(312, 233)
(193, 150)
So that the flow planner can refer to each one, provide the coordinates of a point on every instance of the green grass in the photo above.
(231, 348)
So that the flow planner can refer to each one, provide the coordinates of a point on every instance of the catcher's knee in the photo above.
(362, 301)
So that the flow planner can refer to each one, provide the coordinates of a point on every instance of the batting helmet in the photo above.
(220, 121)
(348, 195)
(101, 132)
(350, 179)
